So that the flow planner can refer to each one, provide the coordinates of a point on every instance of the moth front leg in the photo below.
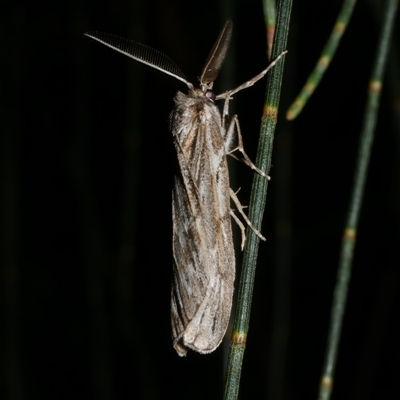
(227, 95)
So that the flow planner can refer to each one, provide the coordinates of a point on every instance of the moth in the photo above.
(203, 251)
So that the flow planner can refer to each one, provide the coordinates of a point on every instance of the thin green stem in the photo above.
(324, 60)
(257, 205)
(360, 175)
(270, 23)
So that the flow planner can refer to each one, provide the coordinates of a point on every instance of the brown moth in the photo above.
(203, 252)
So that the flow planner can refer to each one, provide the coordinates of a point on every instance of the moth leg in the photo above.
(239, 147)
(227, 95)
(242, 228)
(228, 138)
(240, 209)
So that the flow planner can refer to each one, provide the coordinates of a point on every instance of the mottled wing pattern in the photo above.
(204, 261)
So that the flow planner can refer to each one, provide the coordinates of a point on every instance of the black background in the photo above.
(86, 173)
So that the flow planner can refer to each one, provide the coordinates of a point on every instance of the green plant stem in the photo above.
(350, 231)
(257, 205)
(270, 23)
(324, 60)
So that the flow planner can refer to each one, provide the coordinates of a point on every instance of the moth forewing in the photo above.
(203, 253)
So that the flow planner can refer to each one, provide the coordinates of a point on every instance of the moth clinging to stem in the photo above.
(203, 252)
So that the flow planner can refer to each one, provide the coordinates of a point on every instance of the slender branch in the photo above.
(360, 175)
(270, 23)
(257, 205)
(324, 60)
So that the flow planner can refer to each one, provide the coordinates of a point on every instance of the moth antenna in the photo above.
(217, 55)
(140, 52)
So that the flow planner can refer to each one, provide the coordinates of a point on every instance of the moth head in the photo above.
(206, 88)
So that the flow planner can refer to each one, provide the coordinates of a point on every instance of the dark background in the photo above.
(86, 173)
